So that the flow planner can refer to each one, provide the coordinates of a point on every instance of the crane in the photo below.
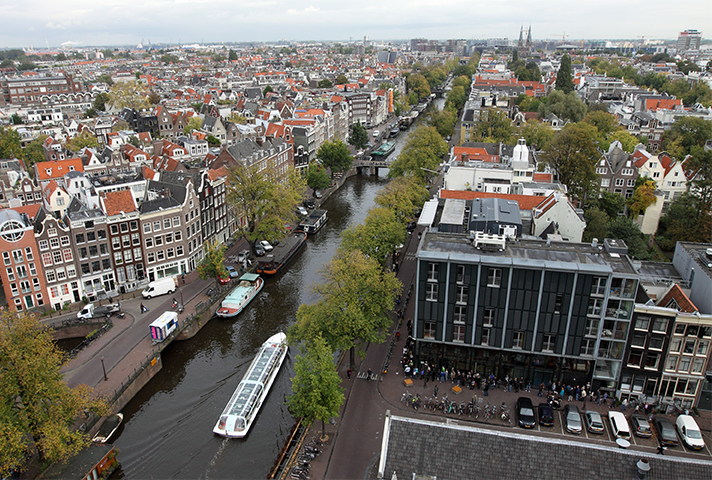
(563, 37)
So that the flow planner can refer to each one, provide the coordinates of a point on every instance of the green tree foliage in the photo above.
(493, 125)
(684, 221)
(317, 177)
(687, 66)
(456, 98)
(265, 203)
(84, 139)
(358, 135)
(105, 78)
(610, 203)
(232, 56)
(212, 140)
(212, 266)
(316, 386)
(463, 81)
(687, 133)
(15, 119)
(403, 196)
(194, 123)
(623, 228)
(131, 94)
(10, 146)
(39, 409)
(565, 106)
(564, 77)
(604, 122)
(424, 149)
(443, 121)
(463, 71)
(354, 302)
(267, 90)
(527, 103)
(418, 85)
(536, 133)
(596, 224)
(335, 155)
(378, 236)
(100, 101)
(341, 80)
(573, 155)
(627, 141)
(325, 83)
(169, 58)
(34, 152)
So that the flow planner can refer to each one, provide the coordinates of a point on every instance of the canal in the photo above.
(167, 429)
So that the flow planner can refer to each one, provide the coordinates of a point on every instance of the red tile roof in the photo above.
(676, 298)
(542, 177)
(119, 202)
(526, 202)
(58, 168)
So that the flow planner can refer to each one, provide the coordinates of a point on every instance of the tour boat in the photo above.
(241, 411)
(314, 222)
(248, 288)
(272, 263)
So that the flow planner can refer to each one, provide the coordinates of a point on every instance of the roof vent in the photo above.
(594, 242)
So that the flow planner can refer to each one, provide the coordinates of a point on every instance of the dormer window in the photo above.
(48, 171)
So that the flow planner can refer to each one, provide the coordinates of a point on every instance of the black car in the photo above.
(525, 413)
(666, 431)
(546, 415)
(641, 427)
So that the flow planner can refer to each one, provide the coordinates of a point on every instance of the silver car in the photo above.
(572, 419)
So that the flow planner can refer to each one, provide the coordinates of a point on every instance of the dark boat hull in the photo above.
(282, 254)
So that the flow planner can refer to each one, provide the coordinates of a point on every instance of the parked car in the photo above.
(594, 422)
(666, 431)
(641, 427)
(265, 245)
(259, 250)
(690, 432)
(525, 413)
(242, 256)
(224, 281)
(302, 211)
(572, 418)
(376, 133)
(546, 415)
(232, 273)
(309, 203)
(317, 194)
(619, 425)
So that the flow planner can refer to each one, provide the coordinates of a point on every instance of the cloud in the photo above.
(53, 26)
(310, 10)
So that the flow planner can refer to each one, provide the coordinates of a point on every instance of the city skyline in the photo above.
(43, 24)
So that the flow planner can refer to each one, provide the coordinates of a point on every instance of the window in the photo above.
(671, 362)
(656, 343)
(64, 241)
(459, 314)
(28, 254)
(461, 296)
(702, 347)
(118, 258)
(79, 237)
(169, 238)
(431, 292)
(652, 360)
(135, 239)
(6, 258)
(680, 329)
(488, 317)
(642, 323)
(619, 182)
(124, 227)
(21, 271)
(587, 346)
(127, 255)
(429, 330)
(549, 343)
(179, 250)
(178, 235)
(460, 273)
(486, 335)
(684, 364)
(147, 227)
(160, 255)
(50, 276)
(134, 225)
(660, 325)
(93, 251)
(61, 274)
(518, 339)
(557, 303)
(101, 234)
(697, 365)
(432, 272)
(91, 236)
(638, 340)
(149, 242)
(689, 347)
(176, 221)
(594, 306)
(126, 240)
(137, 253)
(46, 259)
(494, 277)
(114, 229)
(675, 345)
(159, 240)
(17, 256)
(166, 223)
(599, 286)
(10, 274)
(157, 226)
(151, 257)
(43, 244)
(635, 358)
(71, 271)
(458, 333)
(170, 252)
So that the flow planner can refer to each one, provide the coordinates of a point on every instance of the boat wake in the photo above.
(218, 454)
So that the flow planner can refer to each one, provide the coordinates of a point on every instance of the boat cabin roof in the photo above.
(250, 277)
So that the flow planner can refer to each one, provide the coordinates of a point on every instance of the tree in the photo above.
(403, 196)
(131, 94)
(493, 124)
(267, 90)
(39, 410)
(232, 56)
(358, 136)
(623, 228)
(355, 300)
(443, 121)
(423, 151)
(237, 118)
(572, 154)
(341, 80)
(564, 78)
(100, 101)
(377, 236)
(34, 152)
(105, 78)
(16, 119)
(262, 201)
(537, 134)
(687, 132)
(610, 203)
(643, 197)
(418, 85)
(462, 81)
(316, 386)
(194, 123)
(154, 98)
(565, 106)
(684, 222)
(84, 139)
(334, 154)
(456, 98)
(627, 141)
(317, 177)
(10, 146)
(596, 224)
(603, 121)
(324, 83)
(212, 266)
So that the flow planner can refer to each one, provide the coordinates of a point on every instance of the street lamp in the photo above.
(103, 368)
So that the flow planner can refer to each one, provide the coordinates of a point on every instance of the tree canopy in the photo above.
(39, 409)
(564, 77)
(403, 196)
(10, 146)
(84, 139)
(212, 266)
(572, 154)
(133, 94)
(424, 149)
(317, 177)
(493, 126)
(566, 106)
(536, 133)
(377, 236)
(358, 136)
(335, 155)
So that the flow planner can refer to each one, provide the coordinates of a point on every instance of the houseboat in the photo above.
(314, 222)
(281, 255)
(248, 288)
(384, 150)
(241, 411)
(394, 132)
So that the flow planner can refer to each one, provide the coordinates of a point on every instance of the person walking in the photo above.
(435, 391)
(661, 449)
(348, 373)
(369, 373)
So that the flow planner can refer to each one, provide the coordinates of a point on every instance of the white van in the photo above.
(690, 432)
(159, 287)
(619, 425)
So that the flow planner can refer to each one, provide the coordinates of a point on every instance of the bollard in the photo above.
(643, 467)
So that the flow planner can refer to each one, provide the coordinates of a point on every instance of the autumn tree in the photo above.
(39, 410)
(82, 140)
(643, 197)
(421, 155)
(194, 123)
(403, 196)
(377, 236)
(263, 201)
(354, 304)
(10, 146)
(212, 266)
(572, 154)
(334, 154)
(316, 386)
(131, 94)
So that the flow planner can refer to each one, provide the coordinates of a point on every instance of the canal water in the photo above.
(167, 429)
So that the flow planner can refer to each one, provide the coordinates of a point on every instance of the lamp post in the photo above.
(103, 368)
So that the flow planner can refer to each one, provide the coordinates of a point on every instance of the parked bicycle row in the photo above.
(300, 467)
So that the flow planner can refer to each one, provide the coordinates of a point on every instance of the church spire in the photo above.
(529, 38)
(520, 44)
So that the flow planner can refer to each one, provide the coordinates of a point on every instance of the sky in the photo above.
(51, 23)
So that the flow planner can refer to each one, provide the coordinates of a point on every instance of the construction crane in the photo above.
(563, 37)
(642, 40)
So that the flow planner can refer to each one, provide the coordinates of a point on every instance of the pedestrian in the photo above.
(486, 387)
(183, 278)
(348, 373)
(143, 308)
(661, 449)
(369, 373)
(541, 390)
(435, 391)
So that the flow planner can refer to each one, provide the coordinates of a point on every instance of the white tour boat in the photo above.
(248, 288)
(239, 414)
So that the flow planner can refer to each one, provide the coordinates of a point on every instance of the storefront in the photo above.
(169, 269)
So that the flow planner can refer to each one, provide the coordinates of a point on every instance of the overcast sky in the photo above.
(42, 23)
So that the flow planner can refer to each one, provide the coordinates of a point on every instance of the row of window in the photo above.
(168, 238)
(161, 255)
(124, 227)
(25, 287)
(90, 236)
(17, 256)
(60, 274)
(166, 223)
(21, 271)
(58, 257)
(127, 256)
